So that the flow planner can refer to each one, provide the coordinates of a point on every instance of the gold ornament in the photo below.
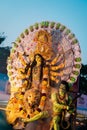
(44, 44)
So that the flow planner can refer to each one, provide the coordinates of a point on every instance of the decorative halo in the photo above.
(61, 41)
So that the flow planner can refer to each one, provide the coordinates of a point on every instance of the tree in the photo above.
(2, 37)
(83, 79)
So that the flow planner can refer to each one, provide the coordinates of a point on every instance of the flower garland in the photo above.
(44, 88)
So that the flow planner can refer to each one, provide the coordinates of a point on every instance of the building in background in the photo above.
(4, 53)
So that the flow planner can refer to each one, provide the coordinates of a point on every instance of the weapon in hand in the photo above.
(65, 123)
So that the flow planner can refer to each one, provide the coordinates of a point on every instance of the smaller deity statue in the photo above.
(61, 102)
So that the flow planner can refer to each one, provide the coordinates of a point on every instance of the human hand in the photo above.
(67, 107)
(25, 120)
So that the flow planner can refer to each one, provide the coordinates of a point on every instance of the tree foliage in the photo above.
(2, 37)
(83, 79)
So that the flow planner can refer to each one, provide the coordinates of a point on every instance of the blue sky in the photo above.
(17, 15)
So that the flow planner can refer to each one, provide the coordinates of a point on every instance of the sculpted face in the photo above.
(62, 89)
(38, 59)
(33, 97)
(43, 38)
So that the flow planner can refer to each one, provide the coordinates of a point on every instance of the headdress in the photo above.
(44, 44)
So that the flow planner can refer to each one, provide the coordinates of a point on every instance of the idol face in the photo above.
(38, 60)
(62, 90)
